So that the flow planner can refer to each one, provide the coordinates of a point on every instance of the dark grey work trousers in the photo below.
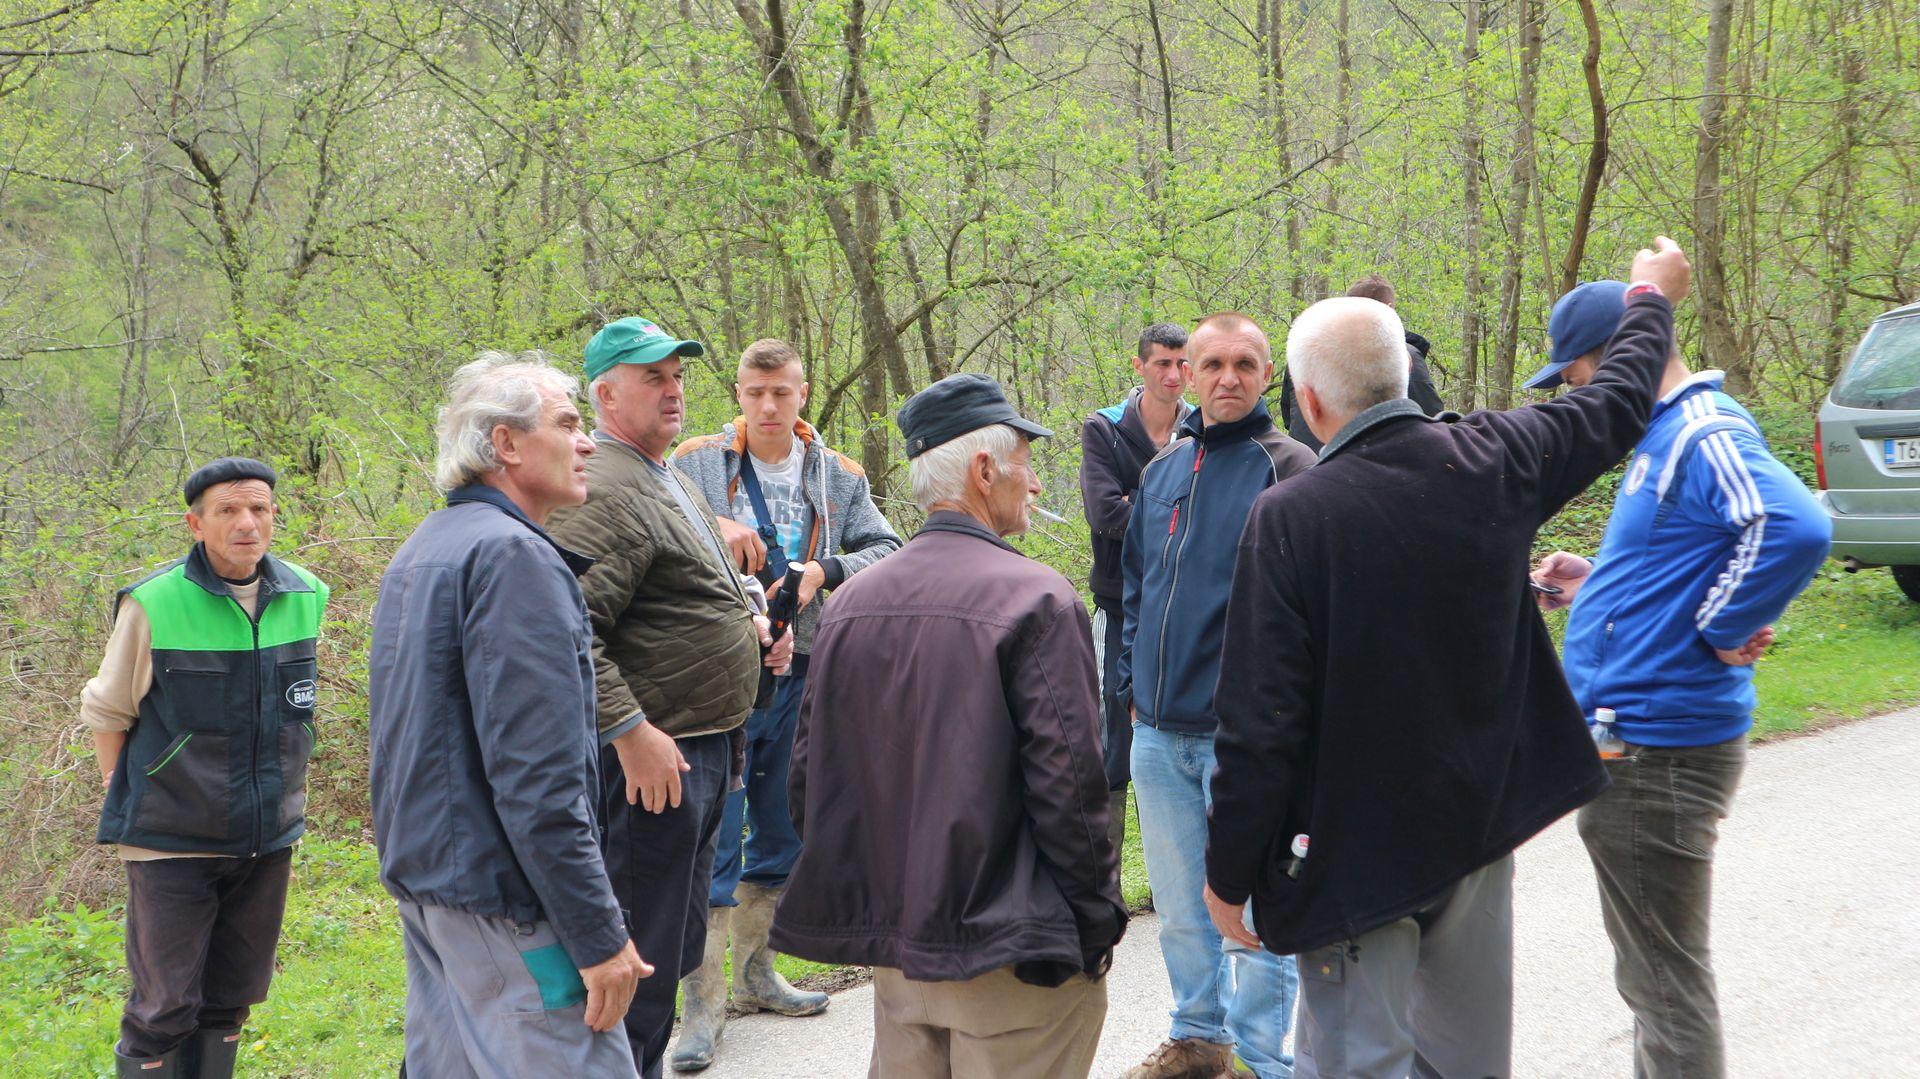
(1429, 995)
(201, 934)
(661, 865)
(1651, 838)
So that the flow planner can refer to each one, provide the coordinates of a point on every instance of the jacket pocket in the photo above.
(296, 748)
(184, 792)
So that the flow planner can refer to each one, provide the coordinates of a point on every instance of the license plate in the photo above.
(1902, 452)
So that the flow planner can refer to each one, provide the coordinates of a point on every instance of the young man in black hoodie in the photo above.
(1371, 820)
(1115, 444)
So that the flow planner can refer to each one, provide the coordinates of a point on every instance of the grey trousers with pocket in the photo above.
(1429, 995)
(490, 998)
(1651, 838)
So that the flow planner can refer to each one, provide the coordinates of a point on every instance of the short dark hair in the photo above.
(1373, 287)
(1164, 334)
(770, 354)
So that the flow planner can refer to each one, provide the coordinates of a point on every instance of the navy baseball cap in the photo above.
(957, 405)
(1582, 320)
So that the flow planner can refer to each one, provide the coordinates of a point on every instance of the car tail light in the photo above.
(1819, 456)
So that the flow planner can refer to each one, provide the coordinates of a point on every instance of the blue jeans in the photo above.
(771, 845)
(1222, 992)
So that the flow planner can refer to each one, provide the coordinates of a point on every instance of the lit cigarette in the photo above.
(1049, 515)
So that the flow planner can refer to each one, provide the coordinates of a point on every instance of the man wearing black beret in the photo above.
(203, 718)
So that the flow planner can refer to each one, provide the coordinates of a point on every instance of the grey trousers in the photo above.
(1651, 838)
(488, 998)
(1428, 995)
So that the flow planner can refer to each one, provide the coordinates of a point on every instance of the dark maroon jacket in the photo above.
(947, 776)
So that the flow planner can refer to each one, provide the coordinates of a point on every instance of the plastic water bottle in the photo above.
(1299, 849)
(1604, 738)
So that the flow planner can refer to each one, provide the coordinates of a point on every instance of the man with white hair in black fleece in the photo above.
(1368, 813)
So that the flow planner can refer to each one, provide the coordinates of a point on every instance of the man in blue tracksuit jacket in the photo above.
(1710, 539)
(1177, 566)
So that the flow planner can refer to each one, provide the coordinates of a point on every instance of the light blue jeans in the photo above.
(1222, 992)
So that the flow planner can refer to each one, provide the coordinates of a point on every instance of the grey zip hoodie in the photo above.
(844, 516)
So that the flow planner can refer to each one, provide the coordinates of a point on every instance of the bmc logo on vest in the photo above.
(301, 693)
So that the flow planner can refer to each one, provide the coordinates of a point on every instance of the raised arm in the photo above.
(1560, 447)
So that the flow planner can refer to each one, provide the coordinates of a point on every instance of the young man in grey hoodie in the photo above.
(796, 502)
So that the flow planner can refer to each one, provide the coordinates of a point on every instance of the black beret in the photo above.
(957, 405)
(226, 470)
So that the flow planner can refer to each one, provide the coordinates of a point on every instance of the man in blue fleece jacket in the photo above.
(1710, 539)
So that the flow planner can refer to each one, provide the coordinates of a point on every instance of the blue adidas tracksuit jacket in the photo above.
(1710, 539)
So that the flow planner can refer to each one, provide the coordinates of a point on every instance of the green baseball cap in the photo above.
(633, 340)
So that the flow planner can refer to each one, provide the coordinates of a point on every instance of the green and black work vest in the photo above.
(217, 760)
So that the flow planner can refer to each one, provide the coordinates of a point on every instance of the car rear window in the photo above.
(1885, 370)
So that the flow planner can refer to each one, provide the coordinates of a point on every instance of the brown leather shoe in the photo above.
(1185, 1058)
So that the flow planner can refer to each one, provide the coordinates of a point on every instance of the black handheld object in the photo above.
(782, 604)
(1545, 589)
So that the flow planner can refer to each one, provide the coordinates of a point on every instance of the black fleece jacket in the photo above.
(1387, 686)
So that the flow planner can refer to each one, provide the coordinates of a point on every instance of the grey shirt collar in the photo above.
(1367, 420)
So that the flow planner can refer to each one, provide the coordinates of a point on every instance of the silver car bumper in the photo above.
(1874, 541)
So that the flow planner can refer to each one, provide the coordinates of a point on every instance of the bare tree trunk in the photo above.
(1837, 223)
(1283, 151)
(1709, 227)
(856, 230)
(1470, 163)
(1596, 152)
(1520, 181)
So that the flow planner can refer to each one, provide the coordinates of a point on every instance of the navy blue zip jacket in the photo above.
(1178, 561)
(482, 727)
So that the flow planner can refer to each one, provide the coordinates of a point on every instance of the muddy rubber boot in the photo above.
(756, 985)
(164, 1066)
(705, 995)
(211, 1053)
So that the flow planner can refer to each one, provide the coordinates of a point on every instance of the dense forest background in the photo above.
(275, 227)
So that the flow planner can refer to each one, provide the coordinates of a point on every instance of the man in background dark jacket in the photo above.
(946, 774)
(1372, 820)
(1419, 382)
(1115, 444)
(480, 693)
(1193, 502)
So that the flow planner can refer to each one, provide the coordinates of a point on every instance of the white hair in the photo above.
(1351, 351)
(940, 474)
(497, 388)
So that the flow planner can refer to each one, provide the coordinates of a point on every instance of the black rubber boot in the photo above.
(211, 1053)
(164, 1066)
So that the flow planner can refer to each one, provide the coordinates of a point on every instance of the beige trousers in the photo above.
(991, 1027)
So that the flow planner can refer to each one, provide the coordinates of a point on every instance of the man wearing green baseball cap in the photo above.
(677, 655)
(634, 340)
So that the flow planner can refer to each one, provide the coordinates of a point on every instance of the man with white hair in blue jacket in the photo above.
(1710, 539)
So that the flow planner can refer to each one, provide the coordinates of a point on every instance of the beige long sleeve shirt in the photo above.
(111, 700)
